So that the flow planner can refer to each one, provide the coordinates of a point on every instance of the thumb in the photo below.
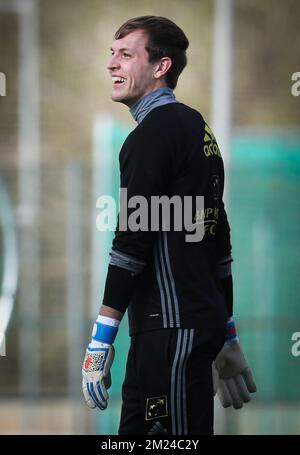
(107, 380)
(109, 361)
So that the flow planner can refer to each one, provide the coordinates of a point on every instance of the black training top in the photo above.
(172, 152)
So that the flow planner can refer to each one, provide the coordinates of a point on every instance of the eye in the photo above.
(126, 55)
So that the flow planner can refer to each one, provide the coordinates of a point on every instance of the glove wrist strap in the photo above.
(231, 335)
(105, 330)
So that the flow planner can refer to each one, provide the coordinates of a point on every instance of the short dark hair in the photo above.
(165, 39)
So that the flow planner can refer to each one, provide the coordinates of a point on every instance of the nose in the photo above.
(113, 63)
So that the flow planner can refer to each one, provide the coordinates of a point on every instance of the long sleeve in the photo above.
(145, 166)
(144, 172)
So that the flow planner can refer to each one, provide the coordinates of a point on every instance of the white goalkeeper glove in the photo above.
(233, 379)
(96, 378)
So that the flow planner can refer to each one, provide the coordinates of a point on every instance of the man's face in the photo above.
(129, 61)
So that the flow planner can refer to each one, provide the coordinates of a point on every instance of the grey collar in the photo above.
(153, 99)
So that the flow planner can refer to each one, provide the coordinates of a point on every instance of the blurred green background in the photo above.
(59, 145)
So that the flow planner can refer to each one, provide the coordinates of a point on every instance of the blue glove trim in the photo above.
(100, 391)
(105, 333)
(230, 331)
(90, 387)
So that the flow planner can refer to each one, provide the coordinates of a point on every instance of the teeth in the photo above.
(117, 79)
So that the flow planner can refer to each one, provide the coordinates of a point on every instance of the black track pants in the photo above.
(168, 383)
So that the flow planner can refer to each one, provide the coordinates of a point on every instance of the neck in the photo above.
(144, 105)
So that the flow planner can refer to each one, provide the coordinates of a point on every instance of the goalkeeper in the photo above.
(177, 290)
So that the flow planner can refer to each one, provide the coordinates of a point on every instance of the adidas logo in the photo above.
(211, 147)
(157, 428)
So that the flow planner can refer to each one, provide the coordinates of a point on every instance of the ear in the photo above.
(163, 66)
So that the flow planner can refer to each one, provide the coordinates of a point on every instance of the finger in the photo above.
(236, 400)
(87, 396)
(242, 389)
(93, 392)
(223, 394)
(248, 377)
(101, 389)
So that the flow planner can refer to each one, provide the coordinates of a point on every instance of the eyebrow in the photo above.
(123, 49)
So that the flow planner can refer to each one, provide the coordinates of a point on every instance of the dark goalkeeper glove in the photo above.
(232, 377)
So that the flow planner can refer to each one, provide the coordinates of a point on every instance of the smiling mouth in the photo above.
(117, 80)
